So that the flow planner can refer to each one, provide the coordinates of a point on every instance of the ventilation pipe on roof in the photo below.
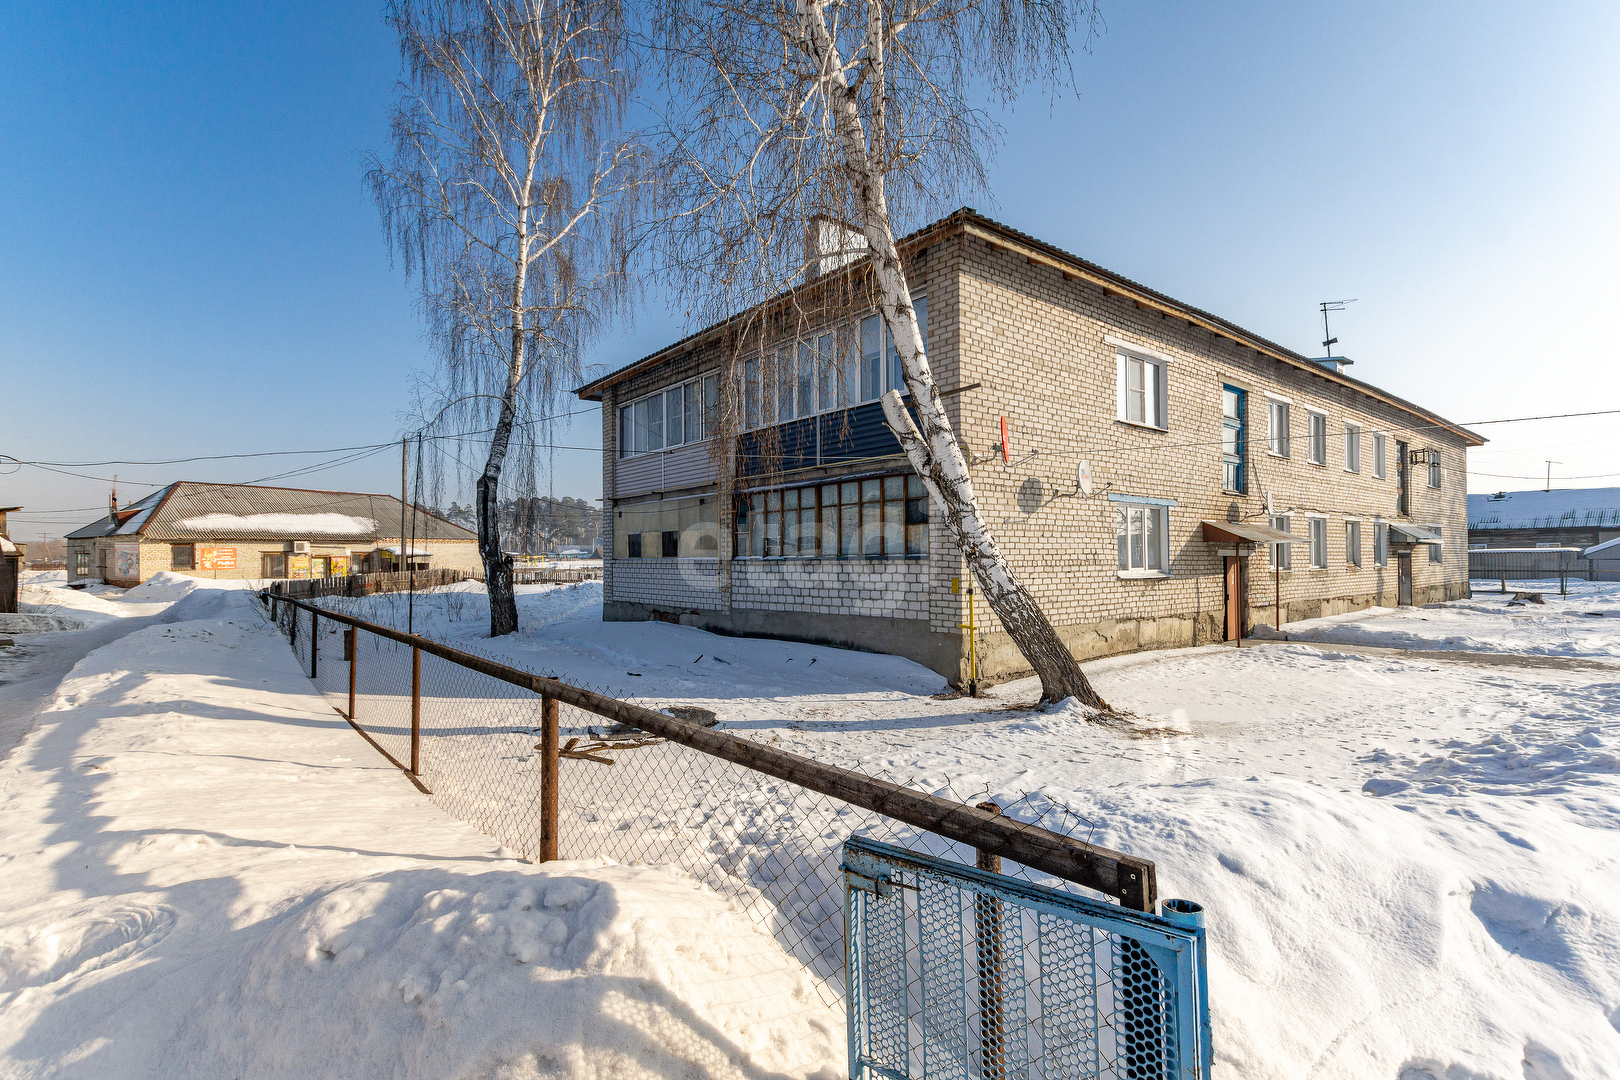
(1335, 364)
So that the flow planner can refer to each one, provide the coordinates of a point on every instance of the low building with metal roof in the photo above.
(246, 531)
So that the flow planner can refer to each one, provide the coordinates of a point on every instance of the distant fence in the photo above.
(555, 575)
(553, 770)
(368, 584)
(1538, 564)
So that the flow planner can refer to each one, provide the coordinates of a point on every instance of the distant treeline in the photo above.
(534, 526)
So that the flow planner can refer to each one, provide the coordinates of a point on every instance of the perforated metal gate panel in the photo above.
(960, 974)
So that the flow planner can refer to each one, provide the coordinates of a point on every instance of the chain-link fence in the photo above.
(754, 823)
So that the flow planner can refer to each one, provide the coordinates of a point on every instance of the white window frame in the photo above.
(1136, 517)
(1434, 467)
(1278, 407)
(1158, 395)
(1379, 470)
(1352, 551)
(1316, 532)
(1282, 555)
(1437, 552)
(1352, 447)
(704, 423)
(1315, 439)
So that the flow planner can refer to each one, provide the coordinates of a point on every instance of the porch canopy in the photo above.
(1243, 532)
(1412, 534)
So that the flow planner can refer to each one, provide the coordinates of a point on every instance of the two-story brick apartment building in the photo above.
(1201, 440)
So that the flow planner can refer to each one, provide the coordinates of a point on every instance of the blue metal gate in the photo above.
(960, 974)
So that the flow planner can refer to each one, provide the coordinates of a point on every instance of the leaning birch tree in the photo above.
(856, 118)
(509, 194)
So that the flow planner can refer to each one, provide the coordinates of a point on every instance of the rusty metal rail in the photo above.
(1126, 878)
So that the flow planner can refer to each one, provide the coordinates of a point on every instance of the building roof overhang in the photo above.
(970, 222)
(1412, 534)
(1242, 532)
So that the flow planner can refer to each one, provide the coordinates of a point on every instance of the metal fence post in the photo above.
(354, 662)
(416, 710)
(548, 779)
(314, 644)
(992, 965)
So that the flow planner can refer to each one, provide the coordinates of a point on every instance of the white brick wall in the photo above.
(890, 588)
(676, 584)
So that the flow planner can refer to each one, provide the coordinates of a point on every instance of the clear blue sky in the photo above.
(189, 263)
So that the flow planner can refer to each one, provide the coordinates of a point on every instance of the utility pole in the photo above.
(1550, 464)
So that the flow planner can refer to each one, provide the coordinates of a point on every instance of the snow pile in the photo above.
(279, 525)
(1584, 624)
(207, 873)
(165, 587)
(45, 578)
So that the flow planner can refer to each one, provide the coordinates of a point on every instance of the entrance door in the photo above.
(1234, 598)
(1403, 569)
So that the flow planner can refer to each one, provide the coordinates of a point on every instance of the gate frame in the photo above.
(1175, 940)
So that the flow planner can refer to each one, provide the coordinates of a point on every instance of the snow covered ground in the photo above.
(206, 873)
(1410, 868)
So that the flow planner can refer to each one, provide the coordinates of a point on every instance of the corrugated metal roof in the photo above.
(189, 510)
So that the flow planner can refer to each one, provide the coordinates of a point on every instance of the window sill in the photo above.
(1141, 575)
(1318, 464)
(1283, 457)
(1144, 427)
(1233, 491)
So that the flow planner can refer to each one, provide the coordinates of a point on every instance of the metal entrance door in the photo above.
(1234, 598)
(1403, 578)
(964, 974)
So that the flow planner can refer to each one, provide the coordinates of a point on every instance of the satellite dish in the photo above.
(1082, 473)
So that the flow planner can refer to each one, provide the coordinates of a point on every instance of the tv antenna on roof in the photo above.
(1327, 306)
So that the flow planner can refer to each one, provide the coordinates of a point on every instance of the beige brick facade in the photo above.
(1042, 335)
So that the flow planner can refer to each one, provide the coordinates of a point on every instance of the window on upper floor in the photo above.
(1234, 437)
(1142, 390)
(1378, 455)
(1277, 433)
(1352, 448)
(674, 416)
(1434, 468)
(1316, 438)
(810, 376)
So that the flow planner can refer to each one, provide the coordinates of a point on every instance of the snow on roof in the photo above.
(1569, 509)
(1611, 548)
(280, 524)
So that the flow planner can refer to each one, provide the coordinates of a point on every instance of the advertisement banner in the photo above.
(126, 560)
(216, 558)
(298, 566)
(340, 566)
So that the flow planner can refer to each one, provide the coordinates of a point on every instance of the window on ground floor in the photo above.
(1282, 555)
(869, 516)
(81, 564)
(1436, 553)
(1318, 527)
(1352, 543)
(667, 528)
(182, 556)
(1142, 538)
(273, 564)
(1380, 543)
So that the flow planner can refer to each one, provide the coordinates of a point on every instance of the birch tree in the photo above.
(509, 194)
(857, 118)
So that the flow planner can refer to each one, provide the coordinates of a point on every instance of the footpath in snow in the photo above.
(205, 873)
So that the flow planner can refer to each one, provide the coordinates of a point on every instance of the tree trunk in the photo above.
(933, 451)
